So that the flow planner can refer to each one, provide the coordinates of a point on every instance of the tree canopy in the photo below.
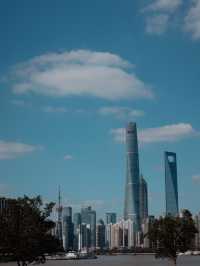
(25, 229)
(171, 235)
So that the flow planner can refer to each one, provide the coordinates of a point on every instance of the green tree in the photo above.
(171, 235)
(25, 230)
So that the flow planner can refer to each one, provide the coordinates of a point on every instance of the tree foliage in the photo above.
(171, 235)
(25, 229)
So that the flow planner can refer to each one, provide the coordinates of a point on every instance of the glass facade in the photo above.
(111, 218)
(88, 217)
(171, 186)
(132, 204)
(67, 227)
(143, 199)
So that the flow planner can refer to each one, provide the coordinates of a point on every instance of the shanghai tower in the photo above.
(132, 202)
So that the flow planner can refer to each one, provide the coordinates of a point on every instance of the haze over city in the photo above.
(74, 74)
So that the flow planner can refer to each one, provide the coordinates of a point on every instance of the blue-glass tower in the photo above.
(171, 186)
(132, 195)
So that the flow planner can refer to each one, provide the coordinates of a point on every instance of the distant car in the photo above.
(181, 254)
(196, 252)
(188, 253)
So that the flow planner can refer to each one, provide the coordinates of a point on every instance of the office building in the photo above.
(100, 235)
(88, 217)
(67, 229)
(143, 199)
(146, 226)
(111, 218)
(132, 201)
(77, 230)
(197, 235)
(171, 186)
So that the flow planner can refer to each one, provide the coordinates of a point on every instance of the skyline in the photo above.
(134, 61)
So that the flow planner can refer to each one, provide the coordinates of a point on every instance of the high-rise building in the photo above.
(59, 221)
(132, 203)
(111, 218)
(143, 199)
(122, 235)
(197, 235)
(146, 226)
(100, 234)
(88, 217)
(67, 229)
(77, 230)
(171, 186)
(85, 237)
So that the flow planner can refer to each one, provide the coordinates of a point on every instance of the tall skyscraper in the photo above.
(143, 199)
(131, 205)
(88, 217)
(77, 230)
(100, 234)
(59, 221)
(67, 229)
(171, 186)
(111, 218)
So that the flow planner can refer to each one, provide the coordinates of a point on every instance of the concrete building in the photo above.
(146, 225)
(122, 235)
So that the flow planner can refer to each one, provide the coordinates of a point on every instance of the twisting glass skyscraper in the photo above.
(132, 203)
(171, 186)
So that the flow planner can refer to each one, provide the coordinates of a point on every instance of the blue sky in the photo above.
(73, 73)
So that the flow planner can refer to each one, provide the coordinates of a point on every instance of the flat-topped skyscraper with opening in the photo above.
(132, 200)
(171, 185)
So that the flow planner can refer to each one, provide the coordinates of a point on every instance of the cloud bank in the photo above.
(168, 133)
(192, 20)
(163, 5)
(160, 14)
(12, 150)
(79, 73)
(120, 112)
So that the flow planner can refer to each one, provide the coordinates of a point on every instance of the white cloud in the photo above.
(164, 5)
(68, 157)
(157, 24)
(18, 102)
(52, 109)
(196, 178)
(118, 134)
(160, 14)
(120, 112)
(192, 20)
(12, 150)
(168, 133)
(79, 73)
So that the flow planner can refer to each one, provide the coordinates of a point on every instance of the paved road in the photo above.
(123, 260)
